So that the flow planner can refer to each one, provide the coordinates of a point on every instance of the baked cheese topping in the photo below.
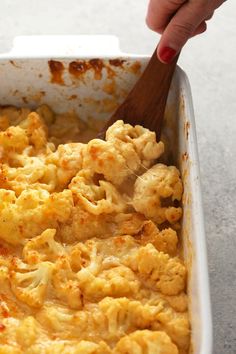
(88, 244)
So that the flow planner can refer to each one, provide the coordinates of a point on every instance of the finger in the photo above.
(209, 16)
(160, 12)
(203, 26)
(182, 26)
(200, 29)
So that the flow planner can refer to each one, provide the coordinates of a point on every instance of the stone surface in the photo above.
(210, 62)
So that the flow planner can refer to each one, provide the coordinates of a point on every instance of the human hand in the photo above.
(177, 21)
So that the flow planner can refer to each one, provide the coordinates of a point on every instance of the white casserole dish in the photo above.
(26, 80)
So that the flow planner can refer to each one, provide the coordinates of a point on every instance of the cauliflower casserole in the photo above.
(89, 255)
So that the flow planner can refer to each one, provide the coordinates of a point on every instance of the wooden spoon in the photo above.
(145, 104)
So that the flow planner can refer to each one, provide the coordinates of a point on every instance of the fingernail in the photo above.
(166, 54)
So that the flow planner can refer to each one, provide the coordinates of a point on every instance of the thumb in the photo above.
(186, 22)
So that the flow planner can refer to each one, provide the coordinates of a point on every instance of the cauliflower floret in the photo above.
(84, 225)
(146, 342)
(168, 275)
(128, 224)
(70, 347)
(36, 130)
(143, 140)
(98, 198)
(126, 152)
(31, 172)
(82, 255)
(29, 283)
(43, 248)
(158, 184)
(118, 281)
(176, 325)
(14, 139)
(103, 158)
(178, 302)
(165, 240)
(52, 171)
(27, 332)
(31, 213)
(8, 326)
(56, 318)
(68, 161)
(9, 306)
(123, 314)
(100, 276)
(66, 285)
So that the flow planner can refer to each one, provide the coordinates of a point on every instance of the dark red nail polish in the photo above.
(166, 54)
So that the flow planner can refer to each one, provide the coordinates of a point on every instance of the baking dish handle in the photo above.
(64, 46)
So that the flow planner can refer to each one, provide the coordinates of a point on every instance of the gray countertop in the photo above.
(210, 63)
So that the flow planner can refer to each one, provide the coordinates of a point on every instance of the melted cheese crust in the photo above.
(88, 245)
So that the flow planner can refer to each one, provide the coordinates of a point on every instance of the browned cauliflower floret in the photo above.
(125, 153)
(68, 161)
(168, 275)
(176, 325)
(103, 158)
(118, 281)
(143, 140)
(98, 198)
(31, 213)
(70, 347)
(123, 314)
(31, 172)
(165, 240)
(84, 225)
(29, 283)
(146, 342)
(66, 284)
(102, 276)
(178, 302)
(160, 183)
(27, 332)
(9, 306)
(36, 130)
(43, 248)
(14, 139)
(128, 223)
(58, 318)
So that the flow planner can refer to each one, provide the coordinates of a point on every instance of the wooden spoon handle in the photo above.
(145, 104)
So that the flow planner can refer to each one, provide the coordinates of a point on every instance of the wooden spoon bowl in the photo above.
(146, 102)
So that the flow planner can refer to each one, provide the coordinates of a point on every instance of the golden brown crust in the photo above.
(84, 268)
